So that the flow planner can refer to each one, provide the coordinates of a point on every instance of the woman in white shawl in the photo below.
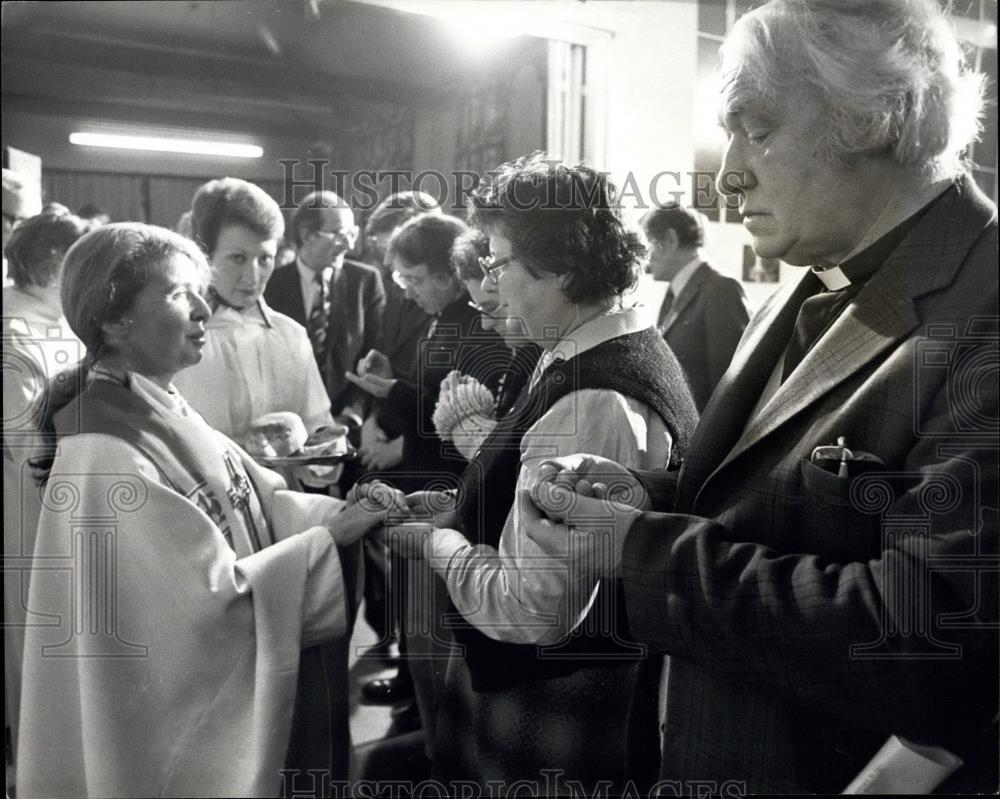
(180, 579)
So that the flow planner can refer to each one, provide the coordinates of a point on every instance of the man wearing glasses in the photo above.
(339, 301)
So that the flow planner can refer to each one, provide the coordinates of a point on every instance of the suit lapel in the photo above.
(881, 315)
(338, 325)
(726, 415)
(285, 294)
(686, 297)
(411, 321)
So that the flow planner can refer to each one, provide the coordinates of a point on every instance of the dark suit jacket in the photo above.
(357, 306)
(404, 326)
(809, 616)
(704, 326)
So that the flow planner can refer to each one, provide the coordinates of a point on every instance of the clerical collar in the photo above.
(861, 266)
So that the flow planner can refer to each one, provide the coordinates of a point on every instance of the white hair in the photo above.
(889, 73)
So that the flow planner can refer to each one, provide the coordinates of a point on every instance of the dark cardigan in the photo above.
(637, 365)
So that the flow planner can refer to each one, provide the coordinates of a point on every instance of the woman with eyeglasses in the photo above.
(419, 253)
(185, 578)
(466, 410)
(526, 695)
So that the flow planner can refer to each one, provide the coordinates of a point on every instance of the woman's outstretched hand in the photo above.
(368, 505)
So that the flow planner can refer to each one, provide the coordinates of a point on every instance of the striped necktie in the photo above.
(319, 319)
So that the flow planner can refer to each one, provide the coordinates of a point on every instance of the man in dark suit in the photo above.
(340, 302)
(822, 572)
(704, 312)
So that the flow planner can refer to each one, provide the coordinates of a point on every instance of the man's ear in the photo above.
(672, 240)
(300, 234)
(352, 236)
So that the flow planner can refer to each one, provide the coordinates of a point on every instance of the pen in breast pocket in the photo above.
(838, 452)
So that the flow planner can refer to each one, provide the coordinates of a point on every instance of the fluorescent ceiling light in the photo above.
(159, 144)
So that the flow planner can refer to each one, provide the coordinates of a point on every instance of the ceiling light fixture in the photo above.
(163, 145)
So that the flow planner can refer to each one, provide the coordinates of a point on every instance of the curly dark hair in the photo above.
(231, 201)
(561, 219)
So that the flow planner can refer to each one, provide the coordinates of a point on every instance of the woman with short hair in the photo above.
(188, 577)
(256, 360)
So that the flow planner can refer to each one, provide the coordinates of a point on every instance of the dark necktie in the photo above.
(820, 310)
(668, 302)
(816, 314)
(318, 323)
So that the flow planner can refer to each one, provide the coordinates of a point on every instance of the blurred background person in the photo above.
(561, 260)
(58, 209)
(94, 216)
(704, 313)
(19, 202)
(257, 361)
(37, 343)
(221, 575)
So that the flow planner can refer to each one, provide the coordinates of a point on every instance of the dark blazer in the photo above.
(704, 326)
(811, 615)
(456, 341)
(355, 324)
(404, 326)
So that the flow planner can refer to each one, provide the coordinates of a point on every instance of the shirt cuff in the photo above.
(445, 544)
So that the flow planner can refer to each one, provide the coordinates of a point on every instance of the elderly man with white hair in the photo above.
(822, 571)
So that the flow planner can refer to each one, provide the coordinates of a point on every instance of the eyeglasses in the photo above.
(405, 281)
(332, 235)
(491, 266)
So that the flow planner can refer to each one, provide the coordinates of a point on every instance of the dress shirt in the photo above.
(255, 361)
(684, 275)
(516, 593)
(310, 287)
